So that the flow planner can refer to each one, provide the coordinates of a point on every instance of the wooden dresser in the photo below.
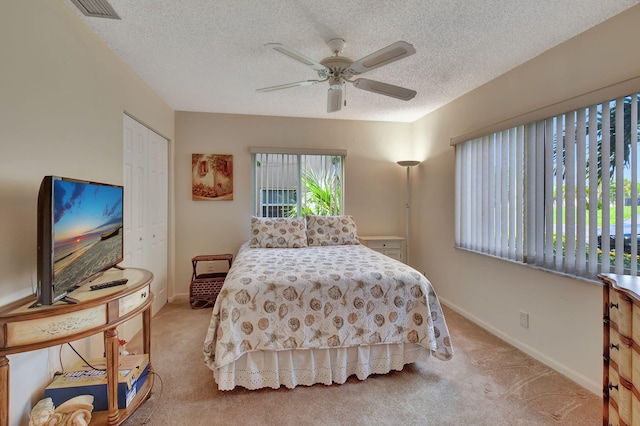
(621, 350)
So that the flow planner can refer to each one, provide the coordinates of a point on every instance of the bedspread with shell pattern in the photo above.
(322, 297)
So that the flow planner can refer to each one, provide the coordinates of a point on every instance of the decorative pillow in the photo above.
(331, 230)
(278, 232)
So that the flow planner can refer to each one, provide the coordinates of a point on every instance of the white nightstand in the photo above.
(394, 247)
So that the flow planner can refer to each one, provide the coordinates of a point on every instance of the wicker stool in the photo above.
(204, 288)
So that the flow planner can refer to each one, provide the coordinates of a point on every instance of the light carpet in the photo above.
(488, 382)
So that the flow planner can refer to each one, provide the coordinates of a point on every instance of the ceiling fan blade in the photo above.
(297, 56)
(391, 53)
(385, 89)
(334, 99)
(288, 85)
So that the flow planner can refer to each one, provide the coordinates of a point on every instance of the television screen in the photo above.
(80, 233)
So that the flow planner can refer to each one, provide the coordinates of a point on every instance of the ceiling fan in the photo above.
(339, 70)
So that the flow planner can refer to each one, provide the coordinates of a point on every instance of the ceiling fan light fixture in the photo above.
(336, 83)
(334, 99)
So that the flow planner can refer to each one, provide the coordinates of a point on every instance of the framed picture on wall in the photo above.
(211, 177)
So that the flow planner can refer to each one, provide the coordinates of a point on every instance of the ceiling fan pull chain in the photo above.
(345, 95)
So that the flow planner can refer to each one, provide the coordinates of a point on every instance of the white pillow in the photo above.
(278, 232)
(331, 230)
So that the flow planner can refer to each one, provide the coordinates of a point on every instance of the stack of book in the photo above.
(90, 378)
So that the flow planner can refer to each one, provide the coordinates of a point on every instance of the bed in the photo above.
(304, 303)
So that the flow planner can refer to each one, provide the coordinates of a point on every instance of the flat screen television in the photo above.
(79, 234)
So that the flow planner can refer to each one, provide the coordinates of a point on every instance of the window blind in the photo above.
(560, 193)
(296, 184)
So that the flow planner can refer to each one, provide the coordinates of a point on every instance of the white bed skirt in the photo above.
(261, 369)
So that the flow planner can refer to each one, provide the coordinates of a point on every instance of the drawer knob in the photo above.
(612, 386)
(617, 347)
(613, 305)
(143, 295)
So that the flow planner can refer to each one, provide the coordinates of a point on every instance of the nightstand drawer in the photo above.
(394, 254)
(391, 246)
(384, 245)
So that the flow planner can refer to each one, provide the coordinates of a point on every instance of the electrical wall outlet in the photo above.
(524, 319)
(211, 267)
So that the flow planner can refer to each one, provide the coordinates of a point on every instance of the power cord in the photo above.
(155, 403)
(84, 360)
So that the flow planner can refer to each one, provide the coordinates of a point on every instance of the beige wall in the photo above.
(565, 314)
(374, 191)
(62, 98)
(62, 95)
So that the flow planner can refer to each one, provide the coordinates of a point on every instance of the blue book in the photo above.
(81, 379)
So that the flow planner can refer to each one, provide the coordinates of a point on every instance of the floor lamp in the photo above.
(408, 164)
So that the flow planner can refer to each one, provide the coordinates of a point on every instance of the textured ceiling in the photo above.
(209, 55)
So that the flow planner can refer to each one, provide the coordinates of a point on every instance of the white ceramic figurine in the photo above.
(74, 412)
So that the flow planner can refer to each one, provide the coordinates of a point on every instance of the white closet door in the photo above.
(158, 197)
(146, 204)
(135, 194)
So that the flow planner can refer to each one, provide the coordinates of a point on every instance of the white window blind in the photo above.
(296, 184)
(560, 193)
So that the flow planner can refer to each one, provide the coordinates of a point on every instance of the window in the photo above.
(291, 184)
(560, 193)
(278, 202)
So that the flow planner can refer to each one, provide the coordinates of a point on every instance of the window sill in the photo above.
(535, 267)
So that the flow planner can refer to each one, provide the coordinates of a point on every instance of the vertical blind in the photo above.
(560, 193)
(296, 184)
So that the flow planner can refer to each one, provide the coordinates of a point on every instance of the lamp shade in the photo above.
(408, 163)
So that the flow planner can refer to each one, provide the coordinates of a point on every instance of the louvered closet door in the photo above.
(146, 204)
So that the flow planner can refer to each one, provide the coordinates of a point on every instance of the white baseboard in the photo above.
(180, 297)
(590, 385)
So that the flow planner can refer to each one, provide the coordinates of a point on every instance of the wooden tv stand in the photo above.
(24, 329)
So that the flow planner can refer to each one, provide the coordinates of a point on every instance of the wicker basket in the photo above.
(203, 292)
(204, 288)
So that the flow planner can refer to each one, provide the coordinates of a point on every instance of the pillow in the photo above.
(278, 232)
(331, 230)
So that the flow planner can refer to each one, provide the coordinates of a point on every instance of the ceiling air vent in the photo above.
(96, 8)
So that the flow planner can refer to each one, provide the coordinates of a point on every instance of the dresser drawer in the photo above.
(635, 406)
(614, 420)
(619, 395)
(620, 354)
(620, 313)
(635, 324)
(635, 367)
